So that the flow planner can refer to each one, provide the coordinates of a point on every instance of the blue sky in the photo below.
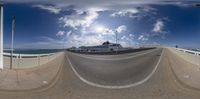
(51, 24)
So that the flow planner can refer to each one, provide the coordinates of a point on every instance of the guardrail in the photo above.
(189, 51)
(21, 61)
(188, 55)
(27, 55)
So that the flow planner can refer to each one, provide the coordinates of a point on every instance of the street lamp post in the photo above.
(12, 42)
(116, 35)
(1, 35)
(64, 44)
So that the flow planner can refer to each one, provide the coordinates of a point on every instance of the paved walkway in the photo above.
(28, 79)
(187, 73)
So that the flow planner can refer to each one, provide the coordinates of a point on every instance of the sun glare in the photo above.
(99, 28)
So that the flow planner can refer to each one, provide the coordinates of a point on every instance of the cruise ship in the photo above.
(105, 47)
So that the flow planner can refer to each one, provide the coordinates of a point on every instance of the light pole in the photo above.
(64, 44)
(12, 42)
(1, 35)
(198, 5)
(116, 35)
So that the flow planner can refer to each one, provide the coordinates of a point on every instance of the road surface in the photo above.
(107, 72)
(162, 84)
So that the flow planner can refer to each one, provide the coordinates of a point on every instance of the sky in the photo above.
(54, 24)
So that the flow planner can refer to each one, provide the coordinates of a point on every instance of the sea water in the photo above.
(34, 51)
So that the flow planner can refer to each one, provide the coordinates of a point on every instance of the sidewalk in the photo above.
(187, 73)
(27, 79)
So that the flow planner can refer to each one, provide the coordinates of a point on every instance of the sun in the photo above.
(99, 28)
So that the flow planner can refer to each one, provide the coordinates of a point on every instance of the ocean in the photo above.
(35, 51)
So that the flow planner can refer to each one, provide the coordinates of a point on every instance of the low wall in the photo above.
(190, 56)
(22, 62)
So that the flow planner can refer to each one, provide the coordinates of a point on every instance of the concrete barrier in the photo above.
(23, 61)
(188, 55)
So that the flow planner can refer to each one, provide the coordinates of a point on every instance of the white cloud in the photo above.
(60, 33)
(158, 26)
(69, 33)
(131, 35)
(92, 35)
(136, 12)
(143, 38)
(121, 29)
(123, 37)
(157, 31)
(128, 12)
(88, 31)
(127, 40)
(79, 19)
(108, 31)
(99, 29)
(88, 40)
(108, 4)
(95, 35)
(51, 9)
(45, 38)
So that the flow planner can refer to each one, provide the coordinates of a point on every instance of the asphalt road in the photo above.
(122, 71)
(161, 85)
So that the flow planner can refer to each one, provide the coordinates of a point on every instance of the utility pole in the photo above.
(64, 44)
(116, 40)
(1, 35)
(12, 42)
(116, 37)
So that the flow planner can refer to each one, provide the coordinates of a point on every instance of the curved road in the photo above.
(161, 85)
(115, 72)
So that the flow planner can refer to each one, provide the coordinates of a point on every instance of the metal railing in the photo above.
(189, 51)
(21, 61)
(188, 55)
(27, 55)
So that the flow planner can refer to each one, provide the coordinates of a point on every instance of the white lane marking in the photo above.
(115, 87)
(93, 58)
